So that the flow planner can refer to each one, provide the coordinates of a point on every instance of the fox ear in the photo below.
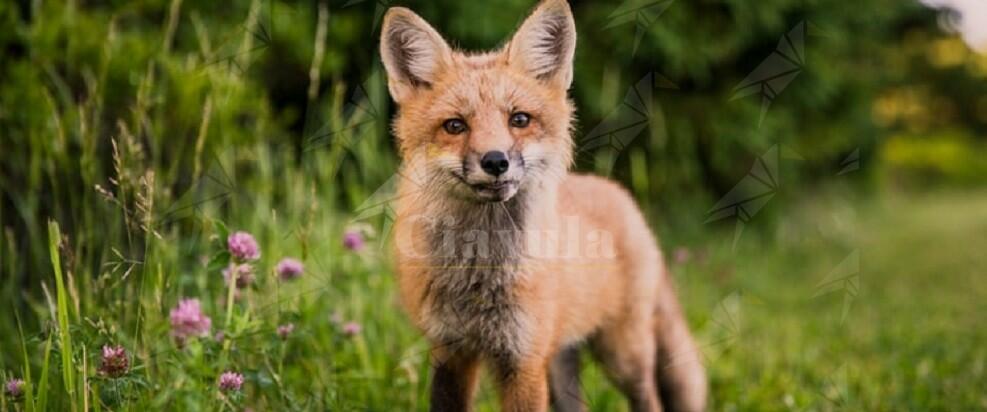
(412, 51)
(545, 43)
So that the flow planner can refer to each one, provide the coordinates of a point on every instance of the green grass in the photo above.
(904, 335)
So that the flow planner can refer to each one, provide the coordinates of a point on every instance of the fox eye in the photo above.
(454, 126)
(520, 119)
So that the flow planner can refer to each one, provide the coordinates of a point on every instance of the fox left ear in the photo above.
(545, 44)
(412, 51)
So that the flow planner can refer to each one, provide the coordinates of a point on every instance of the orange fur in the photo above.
(513, 274)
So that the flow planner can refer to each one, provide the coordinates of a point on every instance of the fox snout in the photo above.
(494, 175)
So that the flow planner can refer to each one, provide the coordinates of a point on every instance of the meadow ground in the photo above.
(866, 305)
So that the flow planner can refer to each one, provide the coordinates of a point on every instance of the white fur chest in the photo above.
(476, 311)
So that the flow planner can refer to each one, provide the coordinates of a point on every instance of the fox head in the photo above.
(483, 126)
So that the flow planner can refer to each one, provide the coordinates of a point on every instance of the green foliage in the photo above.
(952, 156)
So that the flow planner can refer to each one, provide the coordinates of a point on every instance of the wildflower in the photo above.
(285, 330)
(244, 274)
(353, 240)
(114, 362)
(289, 268)
(230, 381)
(681, 255)
(351, 329)
(219, 337)
(14, 388)
(242, 246)
(188, 320)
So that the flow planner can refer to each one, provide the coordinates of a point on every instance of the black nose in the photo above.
(495, 163)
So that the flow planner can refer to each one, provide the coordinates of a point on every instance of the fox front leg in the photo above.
(565, 388)
(524, 387)
(454, 378)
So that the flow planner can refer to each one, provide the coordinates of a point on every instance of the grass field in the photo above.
(846, 305)
(874, 307)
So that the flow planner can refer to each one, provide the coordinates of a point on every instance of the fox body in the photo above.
(503, 256)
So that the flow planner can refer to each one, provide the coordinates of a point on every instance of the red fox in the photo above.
(504, 258)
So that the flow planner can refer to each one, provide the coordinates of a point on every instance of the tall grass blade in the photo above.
(43, 381)
(29, 384)
(65, 337)
(85, 381)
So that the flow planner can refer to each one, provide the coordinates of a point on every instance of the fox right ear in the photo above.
(412, 51)
(545, 43)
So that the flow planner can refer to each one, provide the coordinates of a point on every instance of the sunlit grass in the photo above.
(907, 337)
